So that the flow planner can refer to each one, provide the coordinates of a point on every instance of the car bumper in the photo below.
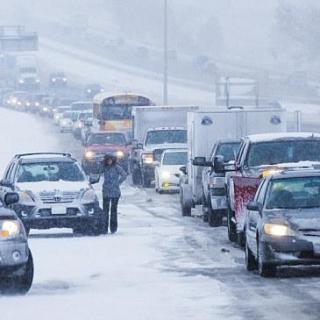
(171, 184)
(289, 251)
(43, 217)
(13, 253)
(96, 165)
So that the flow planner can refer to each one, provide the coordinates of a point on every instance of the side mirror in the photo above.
(201, 162)
(178, 175)
(218, 164)
(6, 183)
(254, 206)
(94, 178)
(11, 198)
(183, 169)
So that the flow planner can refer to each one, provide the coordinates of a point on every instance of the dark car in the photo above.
(58, 79)
(54, 193)
(283, 221)
(16, 264)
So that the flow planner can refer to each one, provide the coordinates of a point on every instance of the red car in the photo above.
(101, 143)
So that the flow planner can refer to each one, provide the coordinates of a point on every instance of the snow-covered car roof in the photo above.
(283, 135)
(174, 150)
(296, 173)
(166, 128)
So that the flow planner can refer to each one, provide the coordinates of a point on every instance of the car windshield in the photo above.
(294, 193)
(79, 106)
(109, 138)
(228, 150)
(85, 116)
(166, 136)
(70, 115)
(175, 158)
(49, 171)
(269, 153)
(116, 112)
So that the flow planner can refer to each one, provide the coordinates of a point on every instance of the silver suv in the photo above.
(54, 193)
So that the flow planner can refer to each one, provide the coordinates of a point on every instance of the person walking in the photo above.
(114, 176)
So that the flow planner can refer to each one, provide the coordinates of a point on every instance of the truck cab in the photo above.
(260, 155)
(156, 141)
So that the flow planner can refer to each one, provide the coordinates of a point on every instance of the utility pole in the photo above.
(165, 54)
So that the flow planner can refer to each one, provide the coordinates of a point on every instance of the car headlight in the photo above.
(64, 122)
(165, 174)
(89, 154)
(14, 101)
(147, 158)
(80, 125)
(120, 154)
(37, 80)
(28, 104)
(64, 79)
(89, 196)
(53, 79)
(37, 104)
(89, 90)
(26, 198)
(277, 230)
(21, 81)
(45, 109)
(10, 228)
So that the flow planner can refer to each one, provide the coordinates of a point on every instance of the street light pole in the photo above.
(165, 54)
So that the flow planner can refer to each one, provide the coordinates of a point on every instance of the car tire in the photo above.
(232, 230)
(146, 182)
(266, 270)
(20, 284)
(251, 263)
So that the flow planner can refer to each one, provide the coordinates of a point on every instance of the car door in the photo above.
(206, 174)
(253, 218)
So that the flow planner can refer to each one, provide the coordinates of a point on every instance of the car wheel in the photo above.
(232, 232)
(146, 183)
(251, 263)
(19, 284)
(266, 270)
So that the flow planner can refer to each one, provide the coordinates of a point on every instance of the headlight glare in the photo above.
(165, 174)
(147, 158)
(89, 196)
(119, 154)
(278, 230)
(89, 154)
(10, 228)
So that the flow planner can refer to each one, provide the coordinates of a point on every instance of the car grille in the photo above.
(310, 232)
(64, 197)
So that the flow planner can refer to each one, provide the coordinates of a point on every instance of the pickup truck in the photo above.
(144, 156)
(258, 156)
(213, 183)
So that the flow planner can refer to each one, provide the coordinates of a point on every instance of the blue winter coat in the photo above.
(114, 175)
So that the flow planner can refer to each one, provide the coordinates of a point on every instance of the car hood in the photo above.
(297, 218)
(7, 213)
(151, 147)
(106, 148)
(50, 186)
(172, 169)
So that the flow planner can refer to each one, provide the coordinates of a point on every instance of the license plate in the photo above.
(58, 210)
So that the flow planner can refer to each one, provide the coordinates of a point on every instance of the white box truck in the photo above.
(206, 127)
(155, 129)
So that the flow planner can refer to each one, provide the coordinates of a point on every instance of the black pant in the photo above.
(114, 213)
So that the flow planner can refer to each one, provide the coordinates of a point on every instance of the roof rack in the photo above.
(18, 156)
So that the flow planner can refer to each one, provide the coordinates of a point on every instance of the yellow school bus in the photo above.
(112, 112)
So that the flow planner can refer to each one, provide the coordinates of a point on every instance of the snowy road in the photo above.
(158, 266)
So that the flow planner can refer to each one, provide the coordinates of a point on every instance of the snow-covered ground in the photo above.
(158, 266)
